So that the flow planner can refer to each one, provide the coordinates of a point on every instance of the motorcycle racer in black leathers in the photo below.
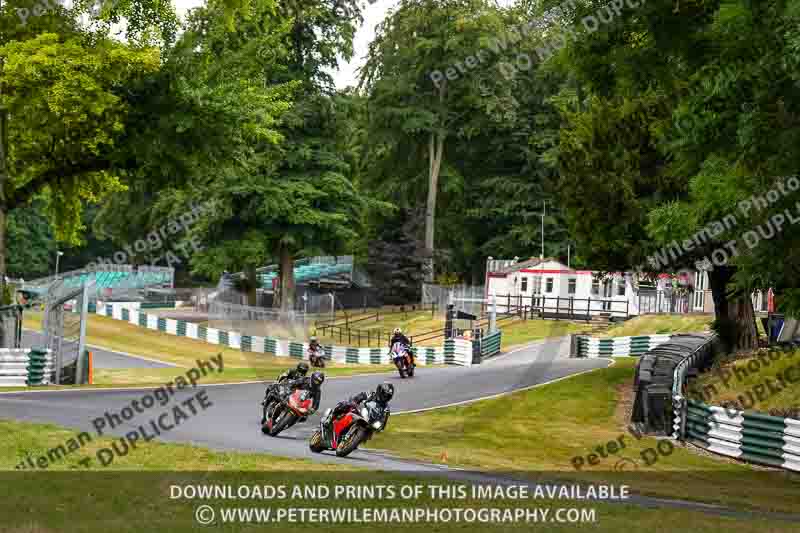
(293, 374)
(382, 396)
(313, 384)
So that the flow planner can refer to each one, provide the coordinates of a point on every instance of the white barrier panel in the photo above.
(235, 339)
(191, 330)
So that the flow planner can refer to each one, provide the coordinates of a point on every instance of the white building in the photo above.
(551, 288)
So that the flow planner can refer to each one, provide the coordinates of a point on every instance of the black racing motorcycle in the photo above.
(349, 430)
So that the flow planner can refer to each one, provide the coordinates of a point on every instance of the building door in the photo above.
(700, 280)
(607, 291)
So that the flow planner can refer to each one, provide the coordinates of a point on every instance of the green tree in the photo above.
(415, 110)
(30, 244)
(658, 148)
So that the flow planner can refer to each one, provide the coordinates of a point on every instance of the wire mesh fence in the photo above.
(468, 298)
(64, 327)
(259, 321)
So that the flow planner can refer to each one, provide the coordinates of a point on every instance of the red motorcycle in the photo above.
(285, 413)
(348, 431)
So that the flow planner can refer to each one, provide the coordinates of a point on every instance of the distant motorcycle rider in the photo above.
(293, 374)
(382, 396)
(313, 384)
(397, 336)
(315, 352)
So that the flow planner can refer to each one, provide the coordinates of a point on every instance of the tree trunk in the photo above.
(435, 149)
(252, 286)
(435, 156)
(286, 279)
(733, 312)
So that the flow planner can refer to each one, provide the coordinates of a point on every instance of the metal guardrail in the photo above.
(752, 437)
(587, 346)
(661, 377)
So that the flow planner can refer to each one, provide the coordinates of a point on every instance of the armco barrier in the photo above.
(490, 344)
(660, 379)
(458, 352)
(617, 346)
(751, 437)
(22, 367)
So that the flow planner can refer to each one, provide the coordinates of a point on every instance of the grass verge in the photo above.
(556, 427)
(660, 324)
(767, 380)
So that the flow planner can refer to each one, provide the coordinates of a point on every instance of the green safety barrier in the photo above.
(296, 350)
(247, 343)
(37, 363)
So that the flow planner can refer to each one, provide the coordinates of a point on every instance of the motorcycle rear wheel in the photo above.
(315, 443)
(354, 436)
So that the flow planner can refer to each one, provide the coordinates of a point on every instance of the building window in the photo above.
(537, 285)
(524, 287)
(571, 286)
(596, 287)
(549, 285)
(621, 287)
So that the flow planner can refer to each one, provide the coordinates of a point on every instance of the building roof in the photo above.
(528, 263)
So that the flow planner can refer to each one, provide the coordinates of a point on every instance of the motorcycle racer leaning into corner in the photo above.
(382, 396)
(292, 374)
(313, 384)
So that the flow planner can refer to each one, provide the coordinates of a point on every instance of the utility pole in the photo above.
(544, 207)
(568, 254)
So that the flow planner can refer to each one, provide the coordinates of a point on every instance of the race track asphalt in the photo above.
(232, 422)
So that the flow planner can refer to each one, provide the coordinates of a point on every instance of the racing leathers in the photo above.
(270, 394)
(355, 402)
(316, 393)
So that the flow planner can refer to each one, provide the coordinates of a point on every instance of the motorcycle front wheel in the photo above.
(284, 421)
(354, 436)
(315, 443)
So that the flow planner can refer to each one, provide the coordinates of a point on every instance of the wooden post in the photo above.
(558, 307)
(589, 309)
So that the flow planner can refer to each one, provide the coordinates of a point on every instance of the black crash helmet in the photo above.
(317, 378)
(384, 392)
(302, 368)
